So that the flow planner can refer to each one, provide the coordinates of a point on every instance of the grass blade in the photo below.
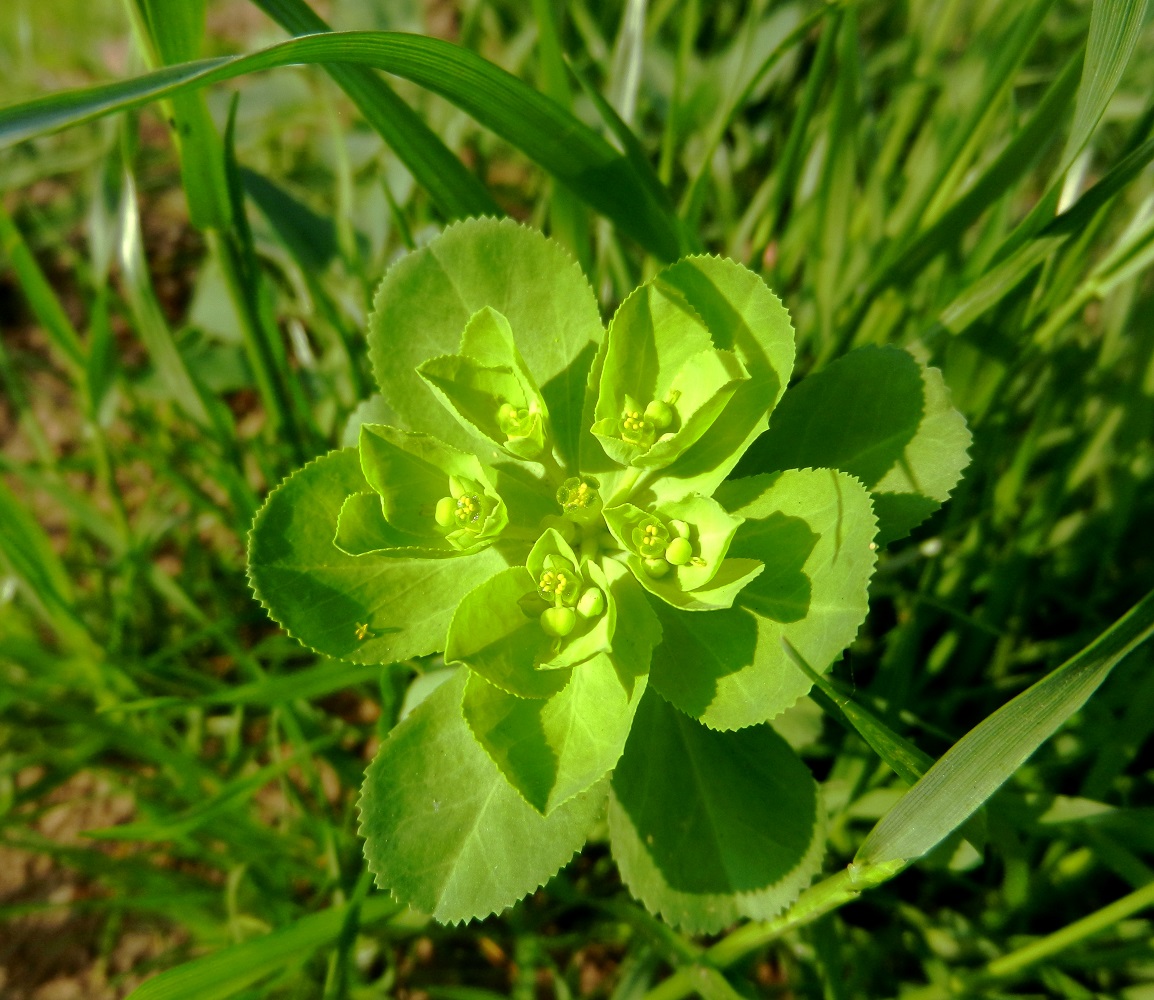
(173, 34)
(906, 760)
(455, 191)
(226, 973)
(41, 297)
(982, 760)
(544, 131)
(1028, 144)
(1114, 29)
(998, 282)
(567, 217)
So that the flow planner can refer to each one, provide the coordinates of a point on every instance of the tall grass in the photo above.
(966, 179)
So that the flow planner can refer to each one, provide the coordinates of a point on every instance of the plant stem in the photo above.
(257, 348)
(1105, 918)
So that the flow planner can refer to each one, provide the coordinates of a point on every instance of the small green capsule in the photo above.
(656, 568)
(592, 603)
(659, 414)
(679, 552)
(558, 622)
(506, 413)
(446, 514)
(679, 528)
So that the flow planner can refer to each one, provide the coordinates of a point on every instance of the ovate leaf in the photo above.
(659, 352)
(879, 415)
(710, 827)
(745, 317)
(551, 749)
(369, 608)
(445, 832)
(425, 301)
(812, 529)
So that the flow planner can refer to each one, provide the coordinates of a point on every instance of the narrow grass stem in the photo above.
(1052, 944)
(828, 895)
(260, 356)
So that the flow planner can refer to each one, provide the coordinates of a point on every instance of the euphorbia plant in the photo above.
(554, 508)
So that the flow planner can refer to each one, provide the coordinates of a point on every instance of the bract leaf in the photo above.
(678, 553)
(492, 634)
(489, 389)
(416, 476)
(362, 529)
(445, 832)
(560, 580)
(427, 298)
(728, 826)
(640, 631)
(881, 416)
(745, 317)
(812, 529)
(647, 419)
(370, 608)
(551, 749)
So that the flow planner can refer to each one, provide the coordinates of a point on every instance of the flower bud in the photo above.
(580, 500)
(558, 622)
(656, 568)
(659, 414)
(591, 604)
(446, 512)
(679, 551)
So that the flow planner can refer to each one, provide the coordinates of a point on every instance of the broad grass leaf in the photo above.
(543, 130)
(445, 832)
(880, 416)
(812, 528)
(311, 238)
(1010, 271)
(323, 597)
(455, 191)
(1115, 26)
(710, 827)
(427, 298)
(984, 759)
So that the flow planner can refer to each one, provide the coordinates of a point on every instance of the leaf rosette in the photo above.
(554, 509)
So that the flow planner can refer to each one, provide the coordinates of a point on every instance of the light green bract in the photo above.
(552, 506)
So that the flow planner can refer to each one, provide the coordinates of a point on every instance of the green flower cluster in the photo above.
(553, 507)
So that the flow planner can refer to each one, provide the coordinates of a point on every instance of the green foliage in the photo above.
(558, 646)
(932, 188)
(881, 417)
(443, 828)
(738, 833)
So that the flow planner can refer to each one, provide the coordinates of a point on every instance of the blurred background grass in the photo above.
(177, 777)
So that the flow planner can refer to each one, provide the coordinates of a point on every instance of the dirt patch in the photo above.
(62, 943)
